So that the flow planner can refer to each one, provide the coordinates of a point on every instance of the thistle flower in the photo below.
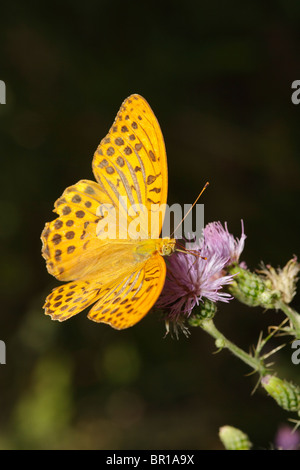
(196, 279)
(266, 288)
(191, 279)
(283, 280)
(218, 240)
(287, 438)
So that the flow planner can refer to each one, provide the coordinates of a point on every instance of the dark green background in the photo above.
(218, 76)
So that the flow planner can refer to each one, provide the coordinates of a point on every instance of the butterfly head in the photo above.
(166, 246)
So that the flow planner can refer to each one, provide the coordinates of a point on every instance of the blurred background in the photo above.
(218, 76)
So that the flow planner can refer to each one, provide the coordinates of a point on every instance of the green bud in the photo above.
(204, 311)
(234, 439)
(286, 394)
(251, 289)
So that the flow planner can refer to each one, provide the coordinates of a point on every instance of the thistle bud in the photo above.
(286, 394)
(234, 439)
(204, 311)
(251, 289)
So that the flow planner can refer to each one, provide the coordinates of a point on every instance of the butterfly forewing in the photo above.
(70, 246)
(130, 162)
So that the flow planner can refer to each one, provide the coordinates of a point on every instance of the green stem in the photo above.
(254, 362)
(293, 316)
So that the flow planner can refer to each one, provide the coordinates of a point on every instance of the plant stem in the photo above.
(293, 316)
(255, 363)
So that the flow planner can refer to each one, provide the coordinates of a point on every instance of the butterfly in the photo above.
(121, 277)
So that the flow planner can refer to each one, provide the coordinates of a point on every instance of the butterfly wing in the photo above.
(70, 245)
(125, 302)
(121, 303)
(71, 298)
(131, 162)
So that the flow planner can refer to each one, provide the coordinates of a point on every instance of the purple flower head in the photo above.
(217, 240)
(287, 439)
(191, 278)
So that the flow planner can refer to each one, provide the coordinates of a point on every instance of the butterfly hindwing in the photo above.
(71, 298)
(125, 302)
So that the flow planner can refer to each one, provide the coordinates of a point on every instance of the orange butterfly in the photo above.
(123, 276)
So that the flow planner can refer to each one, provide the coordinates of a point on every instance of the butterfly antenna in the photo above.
(183, 249)
(202, 191)
(192, 252)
